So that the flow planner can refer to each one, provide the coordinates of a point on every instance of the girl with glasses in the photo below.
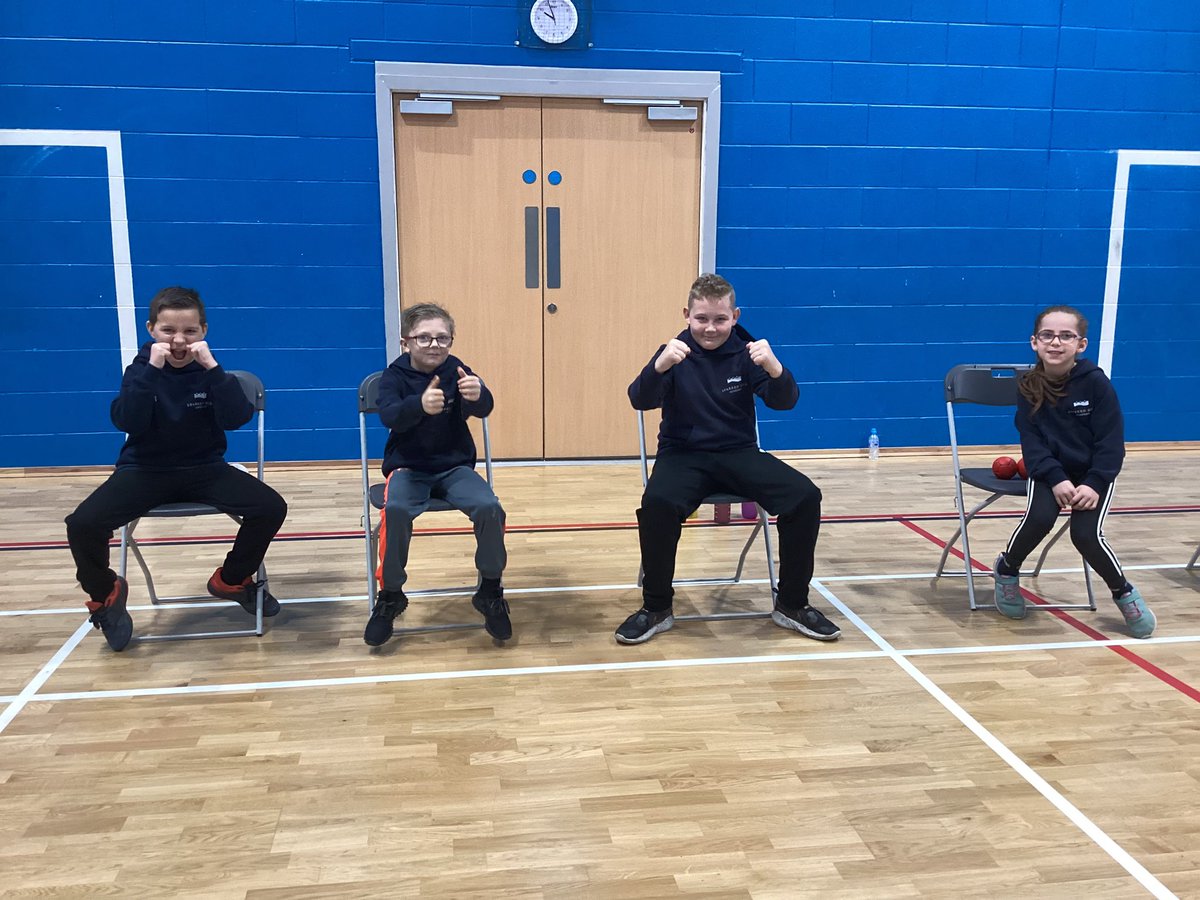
(1073, 443)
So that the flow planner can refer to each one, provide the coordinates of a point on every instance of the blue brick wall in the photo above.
(903, 183)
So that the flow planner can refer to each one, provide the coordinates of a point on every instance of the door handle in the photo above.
(553, 247)
(531, 247)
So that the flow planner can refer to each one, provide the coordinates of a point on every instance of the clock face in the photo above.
(553, 21)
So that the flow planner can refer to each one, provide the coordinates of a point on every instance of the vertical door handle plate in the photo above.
(553, 247)
(531, 247)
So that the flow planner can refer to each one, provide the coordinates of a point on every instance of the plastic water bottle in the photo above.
(873, 445)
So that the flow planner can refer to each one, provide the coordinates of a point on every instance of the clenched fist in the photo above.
(763, 356)
(202, 354)
(675, 352)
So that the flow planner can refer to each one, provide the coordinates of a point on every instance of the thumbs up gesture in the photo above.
(433, 400)
(469, 386)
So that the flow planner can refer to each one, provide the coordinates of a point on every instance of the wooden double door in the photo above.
(562, 235)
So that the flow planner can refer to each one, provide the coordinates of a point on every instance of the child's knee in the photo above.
(80, 522)
(491, 512)
(658, 504)
(1084, 541)
(280, 509)
(805, 497)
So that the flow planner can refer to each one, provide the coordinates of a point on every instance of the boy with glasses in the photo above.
(425, 398)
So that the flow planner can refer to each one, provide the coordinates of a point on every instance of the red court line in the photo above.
(1161, 674)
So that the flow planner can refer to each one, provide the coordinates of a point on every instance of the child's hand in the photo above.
(159, 353)
(763, 356)
(433, 400)
(202, 354)
(674, 353)
(1064, 494)
(469, 386)
(1085, 498)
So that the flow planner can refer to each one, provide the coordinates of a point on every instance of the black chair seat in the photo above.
(724, 498)
(179, 510)
(986, 481)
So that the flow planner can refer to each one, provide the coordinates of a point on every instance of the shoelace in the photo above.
(390, 608)
(497, 606)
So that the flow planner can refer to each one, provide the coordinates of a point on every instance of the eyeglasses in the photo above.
(1065, 337)
(428, 340)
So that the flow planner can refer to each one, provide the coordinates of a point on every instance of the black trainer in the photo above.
(388, 605)
(244, 595)
(111, 617)
(643, 625)
(490, 603)
(806, 620)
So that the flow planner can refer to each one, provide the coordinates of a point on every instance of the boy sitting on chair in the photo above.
(425, 398)
(175, 405)
(706, 383)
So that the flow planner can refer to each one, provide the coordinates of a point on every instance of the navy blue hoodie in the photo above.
(419, 441)
(1081, 438)
(176, 418)
(708, 398)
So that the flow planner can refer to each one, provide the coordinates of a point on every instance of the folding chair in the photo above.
(253, 389)
(991, 385)
(1195, 556)
(373, 495)
(762, 525)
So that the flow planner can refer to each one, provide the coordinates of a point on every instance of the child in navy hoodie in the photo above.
(1073, 443)
(175, 405)
(705, 380)
(425, 398)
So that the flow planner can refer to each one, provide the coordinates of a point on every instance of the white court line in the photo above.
(613, 666)
(460, 674)
(31, 689)
(1116, 237)
(110, 142)
(1082, 822)
(560, 589)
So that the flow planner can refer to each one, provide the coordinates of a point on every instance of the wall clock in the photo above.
(554, 24)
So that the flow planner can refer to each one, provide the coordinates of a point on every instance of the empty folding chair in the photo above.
(761, 526)
(253, 390)
(373, 494)
(993, 385)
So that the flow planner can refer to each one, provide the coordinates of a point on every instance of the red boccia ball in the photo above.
(1021, 468)
(1004, 467)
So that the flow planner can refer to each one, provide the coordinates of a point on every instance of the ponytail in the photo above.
(1039, 389)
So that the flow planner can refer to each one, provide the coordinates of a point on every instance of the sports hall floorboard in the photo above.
(932, 751)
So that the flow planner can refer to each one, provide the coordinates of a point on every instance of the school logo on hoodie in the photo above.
(1081, 407)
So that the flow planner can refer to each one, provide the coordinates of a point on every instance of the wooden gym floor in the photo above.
(932, 751)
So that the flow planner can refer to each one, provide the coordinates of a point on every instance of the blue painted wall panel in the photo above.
(908, 42)
(983, 45)
(931, 171)
(843, 39)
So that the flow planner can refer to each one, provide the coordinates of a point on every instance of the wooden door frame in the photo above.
(534, 81)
